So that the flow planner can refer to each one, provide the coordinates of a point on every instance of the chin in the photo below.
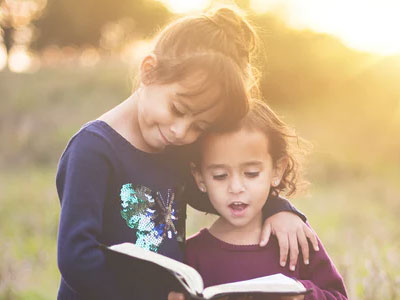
(238, 223)
(154, 147)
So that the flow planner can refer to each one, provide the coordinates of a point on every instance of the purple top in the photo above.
(220, 262)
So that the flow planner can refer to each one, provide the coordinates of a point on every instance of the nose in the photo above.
(180, 129)
(236, 185)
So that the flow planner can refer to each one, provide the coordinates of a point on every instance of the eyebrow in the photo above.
(216, 166)
(253, 163)
(246, 164)
(186, 95)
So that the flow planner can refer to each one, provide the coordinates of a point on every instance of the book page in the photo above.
(184, 273)
(277, 283)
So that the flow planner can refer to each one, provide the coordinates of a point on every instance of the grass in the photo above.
(353, 202)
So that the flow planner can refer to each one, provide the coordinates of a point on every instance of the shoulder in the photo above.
(88, 151)
(194, 248)
(91, 140)
(197, 238)
(320, 256)
(94, 133)
(197, 242)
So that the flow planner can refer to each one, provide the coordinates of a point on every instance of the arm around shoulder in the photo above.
(276, 204)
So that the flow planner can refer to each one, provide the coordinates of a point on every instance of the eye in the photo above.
(176, 111)
(219, 176)
(200, 127)
(252, 174)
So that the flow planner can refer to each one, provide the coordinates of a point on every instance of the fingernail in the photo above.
(292, 268)
(317, 248)
(306, 261)
(283, 263)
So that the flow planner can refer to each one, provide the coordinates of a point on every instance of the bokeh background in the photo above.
(331, 68)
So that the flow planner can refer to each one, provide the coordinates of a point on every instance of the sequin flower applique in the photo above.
(149, 214)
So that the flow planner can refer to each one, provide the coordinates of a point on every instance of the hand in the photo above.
(298, 297)
(176, 296)
(290, 231)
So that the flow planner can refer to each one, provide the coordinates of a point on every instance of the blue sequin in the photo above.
(153, 218)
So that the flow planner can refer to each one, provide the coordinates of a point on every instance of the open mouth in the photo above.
(238, 208)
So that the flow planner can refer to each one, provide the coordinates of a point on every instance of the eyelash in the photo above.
(219, 177)
(181, 114)
(199, 128)
(176, 111)
(247, 174)
(252, 174)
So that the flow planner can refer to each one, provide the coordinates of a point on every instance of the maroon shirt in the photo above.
(220, 262)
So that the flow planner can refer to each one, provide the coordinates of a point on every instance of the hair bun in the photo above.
(236, 27)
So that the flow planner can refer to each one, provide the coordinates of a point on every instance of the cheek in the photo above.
(215, 189)
(261, 186)
(155, 107)
(158, 115)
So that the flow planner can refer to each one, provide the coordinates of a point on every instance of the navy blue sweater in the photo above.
(111, 192)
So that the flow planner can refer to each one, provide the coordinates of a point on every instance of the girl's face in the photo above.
(237, 172)
(169, 115)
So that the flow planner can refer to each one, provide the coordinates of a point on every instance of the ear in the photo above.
(279, 170)
(147, 65)
(198, 177)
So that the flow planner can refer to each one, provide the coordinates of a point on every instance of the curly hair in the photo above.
(284, 144)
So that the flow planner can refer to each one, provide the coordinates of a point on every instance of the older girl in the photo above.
(120, 179)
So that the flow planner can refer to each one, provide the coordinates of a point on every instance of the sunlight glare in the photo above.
(20, 60)
(264, 6)
(186, 6)
(371, 26)
(89, 57)
(135, 51)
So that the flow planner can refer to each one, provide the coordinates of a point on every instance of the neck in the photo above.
(124, 119)
(248, 234)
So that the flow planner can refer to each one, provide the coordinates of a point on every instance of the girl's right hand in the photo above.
(176, 296)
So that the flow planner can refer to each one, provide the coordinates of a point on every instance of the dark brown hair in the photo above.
(221, 44)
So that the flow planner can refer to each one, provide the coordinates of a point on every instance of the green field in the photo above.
(353, 202)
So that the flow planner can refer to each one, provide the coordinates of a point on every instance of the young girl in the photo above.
(239, 169)
(120, 178)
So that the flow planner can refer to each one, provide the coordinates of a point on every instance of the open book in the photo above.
(191, 280)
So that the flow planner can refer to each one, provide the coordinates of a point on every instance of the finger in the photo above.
(283, 247)
(302, 239)
(294, 251)
(175, 296)
(265, 234)
(312, 236)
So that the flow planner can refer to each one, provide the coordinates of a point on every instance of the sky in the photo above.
(366, 25)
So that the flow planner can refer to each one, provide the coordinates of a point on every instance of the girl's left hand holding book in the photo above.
(176, 296)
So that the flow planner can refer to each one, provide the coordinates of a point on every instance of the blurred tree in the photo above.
(16, 17)
(300, 66)
(76, 22)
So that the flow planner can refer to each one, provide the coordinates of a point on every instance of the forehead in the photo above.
(235, 147)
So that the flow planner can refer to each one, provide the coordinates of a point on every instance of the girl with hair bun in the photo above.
(122, 178)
